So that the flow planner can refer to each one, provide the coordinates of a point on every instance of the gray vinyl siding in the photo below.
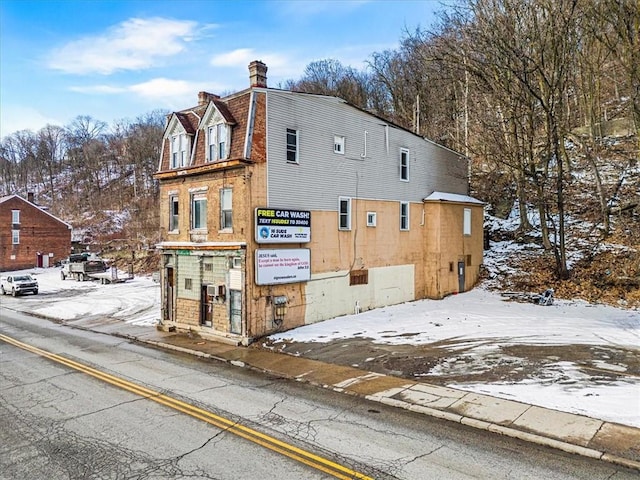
(322, 175)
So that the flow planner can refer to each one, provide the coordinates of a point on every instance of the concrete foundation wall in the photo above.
(330, 295)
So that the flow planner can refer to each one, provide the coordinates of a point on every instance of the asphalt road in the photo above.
(61, 421)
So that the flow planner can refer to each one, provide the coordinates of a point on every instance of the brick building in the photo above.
(282, 208)
(30, 236)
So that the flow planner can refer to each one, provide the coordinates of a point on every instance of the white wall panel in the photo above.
(330, 295)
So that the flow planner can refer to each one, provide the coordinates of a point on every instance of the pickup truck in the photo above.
(18, 284)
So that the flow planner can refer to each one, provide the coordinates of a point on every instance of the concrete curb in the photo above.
(432, 412)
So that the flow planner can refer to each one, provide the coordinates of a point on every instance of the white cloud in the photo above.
(134, 44)
(100, 89)
(156, 88)
(242, 57)
(164, 88)
(14, 118)
(157, 92)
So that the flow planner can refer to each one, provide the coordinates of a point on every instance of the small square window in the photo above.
(371, 219)
(338, 144)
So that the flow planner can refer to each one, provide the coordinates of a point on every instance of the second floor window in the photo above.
(338, 144)
(404, 164)
(226, 209)
(292, 145)
(217, 142)
(15, 217)
(178, 151)
(198, 211)
(173, 214)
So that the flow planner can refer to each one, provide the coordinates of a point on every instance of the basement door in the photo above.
(169, 294)
(460, 277)
(42, 260)
(206, 307)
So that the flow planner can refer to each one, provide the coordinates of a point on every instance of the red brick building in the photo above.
(30, 236)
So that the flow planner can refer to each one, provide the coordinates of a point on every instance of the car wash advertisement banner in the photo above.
(282, 226)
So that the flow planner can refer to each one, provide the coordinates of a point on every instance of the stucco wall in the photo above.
(446, 245)
(329, 295)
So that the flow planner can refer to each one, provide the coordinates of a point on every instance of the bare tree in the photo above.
(622, 38)
(51, 152)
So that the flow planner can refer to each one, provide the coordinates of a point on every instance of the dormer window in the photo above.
(178, 151)
(217, 142)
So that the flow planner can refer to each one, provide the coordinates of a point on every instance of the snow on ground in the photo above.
(479, 315)
(136, 301)
(478, 321)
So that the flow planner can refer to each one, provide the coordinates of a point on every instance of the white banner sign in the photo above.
(283, 266)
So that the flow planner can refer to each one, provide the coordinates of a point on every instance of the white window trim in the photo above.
(174, 199)
(15, 237)
(466, 222)
(213, 140)
(372, 218)
(297, 132)
(194, 198)
(339, 144)
(180, 149)
(15, 217)
(406, 168)
(402, 204)
(226, 229)
(348, 200)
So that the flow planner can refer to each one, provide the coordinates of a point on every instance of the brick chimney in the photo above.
(30, 197)
(205, 97)
(258, 74)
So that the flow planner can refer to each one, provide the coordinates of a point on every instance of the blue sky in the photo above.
(117, 59)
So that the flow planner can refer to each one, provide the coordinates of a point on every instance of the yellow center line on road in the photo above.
(264, 440)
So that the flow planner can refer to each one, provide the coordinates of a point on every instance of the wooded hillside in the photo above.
(543, 96)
